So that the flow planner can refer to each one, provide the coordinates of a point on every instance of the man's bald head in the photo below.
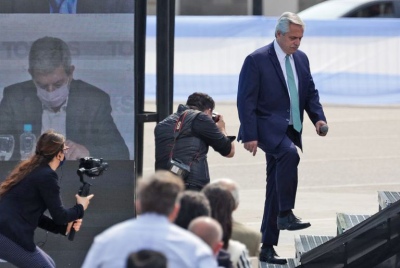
(209, 230)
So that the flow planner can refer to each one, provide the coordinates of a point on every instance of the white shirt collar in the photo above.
(62, 108)
(279, 52)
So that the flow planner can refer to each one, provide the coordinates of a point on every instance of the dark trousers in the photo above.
(281, 185)
(20, 257)
(193, 187)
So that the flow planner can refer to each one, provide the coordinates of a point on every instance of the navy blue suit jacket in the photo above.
(263, 99)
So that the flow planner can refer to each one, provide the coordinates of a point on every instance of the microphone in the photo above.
(323, 129)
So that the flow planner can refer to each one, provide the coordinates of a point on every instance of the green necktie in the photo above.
(294, 95)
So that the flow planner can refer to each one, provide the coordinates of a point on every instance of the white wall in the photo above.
(276, 8)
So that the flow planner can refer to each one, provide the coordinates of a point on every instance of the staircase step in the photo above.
(304, 243)
(291, 263)
(386, 198)
(346, 221)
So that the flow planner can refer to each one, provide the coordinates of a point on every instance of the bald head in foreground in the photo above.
(209, 230)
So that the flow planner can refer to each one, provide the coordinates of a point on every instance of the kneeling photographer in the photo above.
(183, 138)
(31, 189)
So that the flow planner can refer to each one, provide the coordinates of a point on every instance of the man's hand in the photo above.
(251, 146)
(75, 151)
(318, 126)
(221, 123)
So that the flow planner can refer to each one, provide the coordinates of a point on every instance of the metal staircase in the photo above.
(362, 241)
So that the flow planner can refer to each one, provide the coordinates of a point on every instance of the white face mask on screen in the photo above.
(53, 99)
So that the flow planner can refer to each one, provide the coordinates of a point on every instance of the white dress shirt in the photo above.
(149, 231)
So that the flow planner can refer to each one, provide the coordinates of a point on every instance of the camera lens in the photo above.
(215, 117)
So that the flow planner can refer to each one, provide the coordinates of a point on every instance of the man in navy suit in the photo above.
(271, 116)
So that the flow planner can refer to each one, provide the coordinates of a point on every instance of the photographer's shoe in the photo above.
(269, 255)
(291, 223)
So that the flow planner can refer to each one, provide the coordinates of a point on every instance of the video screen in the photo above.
(70, 73)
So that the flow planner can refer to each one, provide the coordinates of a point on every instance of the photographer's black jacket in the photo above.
(191, 147)
(22, 208)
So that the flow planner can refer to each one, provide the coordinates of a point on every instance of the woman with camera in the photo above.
(31, 189)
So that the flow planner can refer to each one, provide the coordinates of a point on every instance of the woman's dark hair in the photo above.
(193, 204)
(146, 258)
(48, 145)
(200, 101)
(222, 206)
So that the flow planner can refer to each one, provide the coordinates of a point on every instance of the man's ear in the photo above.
(217, 247)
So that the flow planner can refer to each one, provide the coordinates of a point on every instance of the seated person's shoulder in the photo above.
(21, 86)
(86, 86)
(79, 87)
(251, 238)
(240, 228)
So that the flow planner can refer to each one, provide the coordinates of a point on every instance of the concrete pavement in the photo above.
(341, 172)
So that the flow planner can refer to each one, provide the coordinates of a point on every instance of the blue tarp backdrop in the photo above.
(353, 61)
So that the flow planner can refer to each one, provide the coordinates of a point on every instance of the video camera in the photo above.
(215, 117)
(91, 167)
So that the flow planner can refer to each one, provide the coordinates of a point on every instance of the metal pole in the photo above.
(257, 7)
(164, 53)
(139, 77)
(171, 40)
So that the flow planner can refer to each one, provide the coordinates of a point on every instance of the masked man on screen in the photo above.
(54, 100)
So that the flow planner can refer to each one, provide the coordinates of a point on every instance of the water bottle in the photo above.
(27, 142)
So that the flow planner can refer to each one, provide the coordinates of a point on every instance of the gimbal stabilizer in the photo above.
(93, 168)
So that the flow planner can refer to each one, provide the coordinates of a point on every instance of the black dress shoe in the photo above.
(291, 223)
(269, 255)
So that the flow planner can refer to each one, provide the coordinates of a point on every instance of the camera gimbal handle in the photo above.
(83, 191)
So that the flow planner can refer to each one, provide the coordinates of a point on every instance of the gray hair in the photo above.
(231, 185)
(47, 54)
(285, 20)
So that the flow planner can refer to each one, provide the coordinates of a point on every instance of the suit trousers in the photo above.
(281, 184)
